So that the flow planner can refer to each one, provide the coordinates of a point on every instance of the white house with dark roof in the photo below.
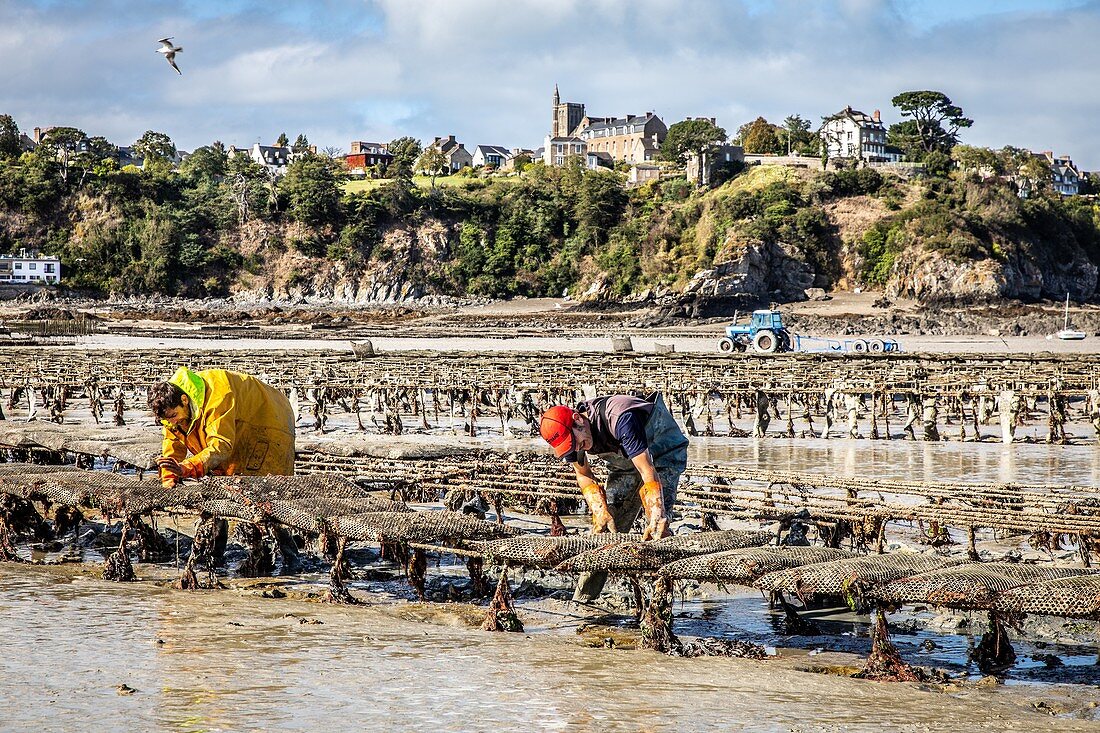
(273, 158)
(493, 155)
(856, 135)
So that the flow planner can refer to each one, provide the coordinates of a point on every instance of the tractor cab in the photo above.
(767, 319)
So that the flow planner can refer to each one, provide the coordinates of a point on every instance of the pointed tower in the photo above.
(554, 113)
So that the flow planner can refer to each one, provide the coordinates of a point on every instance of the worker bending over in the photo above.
(645, 453)
(230, 423)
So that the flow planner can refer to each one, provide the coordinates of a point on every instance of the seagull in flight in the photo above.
(170, 52)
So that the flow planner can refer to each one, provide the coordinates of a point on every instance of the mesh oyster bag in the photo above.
(24, 479)
(839, 577)
(543, 551)
(284, 488)
(308, 514)
(746, 565)
(441, 526)
(628, 557)
(971, 586)
(1074, 597)
(111, 493)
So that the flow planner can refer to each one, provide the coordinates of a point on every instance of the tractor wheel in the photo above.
(765, 342)
(875, 346)
(726, 346)
(859, 346)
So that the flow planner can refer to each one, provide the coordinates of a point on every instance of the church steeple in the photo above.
(554, 126)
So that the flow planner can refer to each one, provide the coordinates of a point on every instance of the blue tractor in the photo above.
(765, 333)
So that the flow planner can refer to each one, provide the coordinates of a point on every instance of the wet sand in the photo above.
(230, 660)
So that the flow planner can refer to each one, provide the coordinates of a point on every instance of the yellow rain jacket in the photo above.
(241, 427)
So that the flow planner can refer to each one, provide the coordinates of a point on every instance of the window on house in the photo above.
(34, 266)
(48, 267)
(18, 265)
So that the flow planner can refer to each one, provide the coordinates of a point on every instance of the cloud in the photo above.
(484, 70)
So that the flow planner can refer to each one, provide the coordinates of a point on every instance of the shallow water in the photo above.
(230, 662)
(972, 462)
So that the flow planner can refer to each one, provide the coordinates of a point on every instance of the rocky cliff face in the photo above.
(934, 277)
(408, 265)
(755, 270)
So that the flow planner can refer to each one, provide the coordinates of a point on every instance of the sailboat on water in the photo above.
(1067, 333)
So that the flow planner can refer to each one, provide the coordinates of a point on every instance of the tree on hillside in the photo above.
(9, 137)
(759, 137)
(692, 138)
(906, 136)
(283, 140)
(301, 144)
(830, 138)
(797, 136)
(938, 120)
(600, 201)
(1033, 172)
(206, 163)
(520, 161)
(983, 161)
(253, 189)
(432, 162)
(96, 155)
(312, 186)
(405, 151)
(64, 143)
(157, 150)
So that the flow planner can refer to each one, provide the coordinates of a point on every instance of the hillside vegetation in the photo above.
(220, 226)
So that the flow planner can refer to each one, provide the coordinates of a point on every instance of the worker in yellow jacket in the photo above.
(230, 423)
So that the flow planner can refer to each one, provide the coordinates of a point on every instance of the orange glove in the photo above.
(173, 471)
(192, 468)
(602, 521)
(653, 501)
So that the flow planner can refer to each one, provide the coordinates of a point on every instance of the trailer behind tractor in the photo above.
(766, 334)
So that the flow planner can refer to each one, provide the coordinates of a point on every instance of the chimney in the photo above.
(450, 138)
(37, 135)
(437, 141)
(877, 116)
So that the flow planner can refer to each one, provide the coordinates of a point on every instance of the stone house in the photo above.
(510, 161)
(633, 139)
(557, 150)
(724, 154)
(454, 152)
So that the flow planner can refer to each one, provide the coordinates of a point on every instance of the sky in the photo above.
(1027, 71)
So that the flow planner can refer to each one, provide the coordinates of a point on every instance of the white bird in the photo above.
(170, 52)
